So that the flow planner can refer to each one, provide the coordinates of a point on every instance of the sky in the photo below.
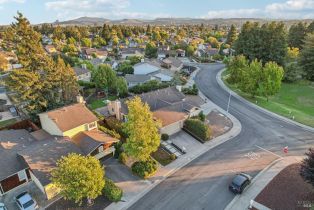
(40, 11)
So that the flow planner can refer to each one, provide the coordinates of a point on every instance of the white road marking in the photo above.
(268, 151)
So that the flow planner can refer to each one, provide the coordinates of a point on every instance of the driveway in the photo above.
(203, 184)
(184, 140)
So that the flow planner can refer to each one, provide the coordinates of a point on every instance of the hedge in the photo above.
(198, 128)
(123, 157)
(148, 86)
(145, 169)
(164, 137)
(111, 191)
(191, 90)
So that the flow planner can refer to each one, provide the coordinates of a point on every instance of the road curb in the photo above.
(279, 117)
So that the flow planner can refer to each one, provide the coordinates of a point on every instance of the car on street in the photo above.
(25, 201)
(2, 206)
(239, 183)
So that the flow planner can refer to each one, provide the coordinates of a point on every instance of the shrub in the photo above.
(198, 128)
(116, 125)
(118, 149)
(144, 169)
(201, 116)
(86, 84)
(111, 191)
(148, 86)
(164, 137)
(173, 156)
(123, 158)
(110, 132)
(191, 90)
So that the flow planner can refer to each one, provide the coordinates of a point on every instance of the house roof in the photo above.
(88, 141)
(168, 104)
(168, 117)
(137, 78)
(11, 142)
(72, 116)
(145, 68)
(163, 77)
(174, 62)
(42, 156)
(79, 71)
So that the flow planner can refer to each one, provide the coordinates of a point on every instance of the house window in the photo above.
(21, 175)
(91, 125)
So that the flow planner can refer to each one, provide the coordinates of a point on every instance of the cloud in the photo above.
(287, 10)
(11, 1)
(239, 13)
(113, 9)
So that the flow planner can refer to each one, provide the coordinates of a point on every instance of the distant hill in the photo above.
(169, 21)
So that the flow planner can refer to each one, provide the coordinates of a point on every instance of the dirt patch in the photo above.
(163, 157)
(287, 191)
(218, 122)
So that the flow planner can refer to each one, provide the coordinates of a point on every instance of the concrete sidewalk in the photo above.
(134, 190)
(259, 183)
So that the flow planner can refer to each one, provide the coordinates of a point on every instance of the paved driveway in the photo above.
(184, 140)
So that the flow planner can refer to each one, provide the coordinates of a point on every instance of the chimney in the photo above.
(80, 99)
(179, 88)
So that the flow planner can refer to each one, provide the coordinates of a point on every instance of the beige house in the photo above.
(68, 120)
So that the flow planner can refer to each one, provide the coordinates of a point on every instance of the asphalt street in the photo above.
(203, 183)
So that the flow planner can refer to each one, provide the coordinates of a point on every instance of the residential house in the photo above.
(30, 157)
(180, 53)
(133, 80)
(90, 53)
(128, 52)
(46, 40)
(82, 73)
(172, 63)
(169, 105)
(154, 69)
(50, 49)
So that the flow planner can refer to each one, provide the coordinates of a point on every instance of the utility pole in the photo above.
(229, 102)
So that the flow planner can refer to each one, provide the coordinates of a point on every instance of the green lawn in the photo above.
(294, 99)
(98, 103)
(7, 122)
(163, 157)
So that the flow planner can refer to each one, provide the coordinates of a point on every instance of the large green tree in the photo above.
(38, 84)
(296, 35)
(79, 177)
(265, 43)
(151, 50)
(232, 35)
(270, 82)
(105, 78)
(307, 167)
(306, 60)
(142, 129)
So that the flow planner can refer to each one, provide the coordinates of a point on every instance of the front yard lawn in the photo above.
(293, 100)
(98, 103)
(163, 157)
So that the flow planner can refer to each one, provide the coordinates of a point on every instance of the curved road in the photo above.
(202, 184)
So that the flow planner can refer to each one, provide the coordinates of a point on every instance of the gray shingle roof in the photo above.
(42, 156)
(11, 142)
(137, 78)
(79, 71)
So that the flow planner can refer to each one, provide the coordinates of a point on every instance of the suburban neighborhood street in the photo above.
(203, 183)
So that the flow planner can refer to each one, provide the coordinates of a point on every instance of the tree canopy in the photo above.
(142, 129)
(307, 167)
(79, 177)
(306, 60)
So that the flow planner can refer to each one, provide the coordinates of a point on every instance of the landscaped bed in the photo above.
(293, 100)
(287, 191)
(163, 157)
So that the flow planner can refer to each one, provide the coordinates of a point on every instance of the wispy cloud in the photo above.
(288, 10)
(113, 9)
(11, 1)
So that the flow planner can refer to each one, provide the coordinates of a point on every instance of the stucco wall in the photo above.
(49, 125)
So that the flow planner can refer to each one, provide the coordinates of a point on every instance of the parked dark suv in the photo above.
(239, 183)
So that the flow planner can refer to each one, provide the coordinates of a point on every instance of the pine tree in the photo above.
(232, 35)
(296, 35)
(306, 57)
